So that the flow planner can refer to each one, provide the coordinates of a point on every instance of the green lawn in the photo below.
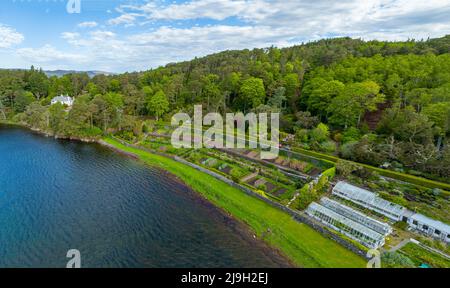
(303, 245)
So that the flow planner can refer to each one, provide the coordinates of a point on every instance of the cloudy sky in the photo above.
(129, 35)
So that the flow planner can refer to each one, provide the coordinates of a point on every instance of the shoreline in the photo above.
(237, 226)
(279, 234)
(51, 135)
(316, 256)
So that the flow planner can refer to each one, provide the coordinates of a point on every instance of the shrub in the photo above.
(92, 132)
(395, 260)
(347, 149)
(262, 187)
(237, 174)
(351, 134)
(330, 173)
(328, 146)
(126, 135)
(306, 197)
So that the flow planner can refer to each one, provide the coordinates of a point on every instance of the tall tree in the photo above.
(158, 104)
(252, 93)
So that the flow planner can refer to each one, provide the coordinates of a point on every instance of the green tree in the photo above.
(114, 85)
(22, 101)
(292, 85)
(320, 133)
(57, 117)
(320, 98)
(36, 116)
(439, 114)
(278, 98)
(406, 125)
(252, 93)
(158, 104)
(357, 98)
(79, 115)
(2, 109)
(36, 82)
(211, 92)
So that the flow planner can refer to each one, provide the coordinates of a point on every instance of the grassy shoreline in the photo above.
(304, 246)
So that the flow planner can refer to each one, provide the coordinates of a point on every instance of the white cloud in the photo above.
(127, 19)
(171, 32)
(88, 24)
(70, 35)
(49, 54)
(309, 19)
(212, 9)
(9, 37)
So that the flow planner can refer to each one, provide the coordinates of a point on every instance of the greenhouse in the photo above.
(349, 228)
(369, 200)
(429, 226)
(356, 216)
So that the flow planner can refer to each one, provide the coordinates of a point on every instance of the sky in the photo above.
(135, 35)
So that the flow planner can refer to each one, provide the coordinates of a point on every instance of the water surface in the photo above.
(58, 195)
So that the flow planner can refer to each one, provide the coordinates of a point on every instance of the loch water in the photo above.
(57, 195)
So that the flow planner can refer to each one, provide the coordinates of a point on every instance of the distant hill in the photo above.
(60, 73)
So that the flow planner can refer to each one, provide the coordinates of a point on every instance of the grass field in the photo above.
(299, 242)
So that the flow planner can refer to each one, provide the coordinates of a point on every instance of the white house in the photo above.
(65, 100)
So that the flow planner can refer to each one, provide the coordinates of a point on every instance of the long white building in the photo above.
(369, 200)
(346, 226)
(377, 226)
(430, 227)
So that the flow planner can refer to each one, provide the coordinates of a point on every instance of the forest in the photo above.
(386, 104)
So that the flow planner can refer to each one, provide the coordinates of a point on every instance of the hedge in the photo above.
(388, 173)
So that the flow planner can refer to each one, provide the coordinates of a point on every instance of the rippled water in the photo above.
(59, 195)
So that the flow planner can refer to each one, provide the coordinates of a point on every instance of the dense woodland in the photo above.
(382, 103)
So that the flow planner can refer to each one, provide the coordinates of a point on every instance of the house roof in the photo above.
(62, 98)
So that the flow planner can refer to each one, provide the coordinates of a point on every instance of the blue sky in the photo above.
(130, 35)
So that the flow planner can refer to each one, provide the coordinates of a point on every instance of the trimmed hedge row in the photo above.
(388, 173)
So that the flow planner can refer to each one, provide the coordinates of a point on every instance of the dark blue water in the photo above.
(59, 195)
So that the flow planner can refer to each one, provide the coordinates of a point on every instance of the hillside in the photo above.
(375, 102)
(60, 73)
